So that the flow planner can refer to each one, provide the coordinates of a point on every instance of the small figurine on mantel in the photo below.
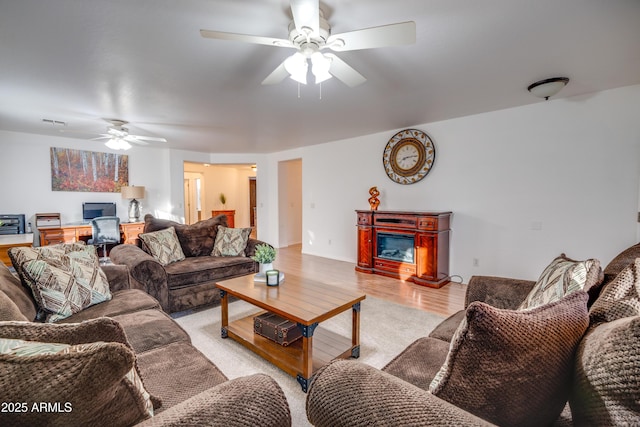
(373, 200)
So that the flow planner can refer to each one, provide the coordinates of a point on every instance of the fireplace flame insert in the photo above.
(395, 247)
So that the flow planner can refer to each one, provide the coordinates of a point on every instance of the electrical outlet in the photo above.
(476, 262)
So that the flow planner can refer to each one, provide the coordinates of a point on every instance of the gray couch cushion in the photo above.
(419, 362)
(19, 303)
(122, 302)
(605, 385)
(445, 330)
(176, 372)
(206, 269)
(149, 329)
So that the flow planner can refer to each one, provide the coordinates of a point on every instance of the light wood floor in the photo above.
(444, 301)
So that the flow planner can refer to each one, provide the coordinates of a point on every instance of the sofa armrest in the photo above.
(350, 393)
(251, 246)
(499, 292)
(118, 277)
(145, 272)
(255, 400)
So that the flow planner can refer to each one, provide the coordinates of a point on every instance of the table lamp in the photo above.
(133, 193)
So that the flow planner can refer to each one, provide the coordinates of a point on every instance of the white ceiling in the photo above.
(79, 61)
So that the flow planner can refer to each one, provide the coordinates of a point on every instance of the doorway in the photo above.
(290, 202)
(253, 220)
(217, 180)
(193, 192)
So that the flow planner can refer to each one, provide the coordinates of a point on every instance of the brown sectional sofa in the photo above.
(189, 283)
(186, 387)
(605, 364)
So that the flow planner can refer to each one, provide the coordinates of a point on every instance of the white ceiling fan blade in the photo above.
(369, 38)
(142, 139)
(269, 41)
(103, 136)
(344, 72)
(276, 76)
(306, 14)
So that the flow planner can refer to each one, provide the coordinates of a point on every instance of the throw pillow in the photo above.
(514, 367)
(620, 297)
(164, 245)
(52, 254)
(231, 241)
(606, 387)
(63, 289)
(562, 277)
(88, 383)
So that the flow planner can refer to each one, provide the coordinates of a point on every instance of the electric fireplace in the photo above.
(411, 246)
(395, 247)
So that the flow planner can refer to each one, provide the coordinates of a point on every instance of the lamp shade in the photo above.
(132, 192)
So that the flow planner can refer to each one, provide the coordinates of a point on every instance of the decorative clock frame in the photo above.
(408, 156)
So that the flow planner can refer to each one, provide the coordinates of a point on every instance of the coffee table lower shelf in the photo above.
(326, 346)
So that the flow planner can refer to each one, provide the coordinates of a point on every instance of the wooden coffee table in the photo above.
(306, 302)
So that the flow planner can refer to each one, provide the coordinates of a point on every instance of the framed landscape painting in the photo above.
(79, 170)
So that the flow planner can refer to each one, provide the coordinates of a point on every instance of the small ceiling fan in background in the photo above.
(118, 136)
(310, 35)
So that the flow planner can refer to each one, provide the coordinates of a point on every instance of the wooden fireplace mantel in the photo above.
(430, 232)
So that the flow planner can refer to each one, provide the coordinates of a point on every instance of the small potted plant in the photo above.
(264, 255)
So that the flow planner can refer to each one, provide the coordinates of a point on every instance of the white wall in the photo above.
(25, 171)
(570, 165)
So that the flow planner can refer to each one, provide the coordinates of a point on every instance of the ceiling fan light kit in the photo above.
(310, 33)
(297, 66)
(117, 136)
(548, 87)
(117, 144)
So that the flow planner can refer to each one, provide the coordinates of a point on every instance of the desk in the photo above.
(73, 233)
(8, 241)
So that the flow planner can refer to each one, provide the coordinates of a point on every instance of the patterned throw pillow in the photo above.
(513, 367)
(52, 254)
(562, 277)
(89, 363)
(68, 286)
(163, 245)
(231, 241)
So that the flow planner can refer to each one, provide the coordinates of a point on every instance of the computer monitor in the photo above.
(92, 210)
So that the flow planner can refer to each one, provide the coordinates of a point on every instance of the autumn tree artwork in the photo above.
(79, 170)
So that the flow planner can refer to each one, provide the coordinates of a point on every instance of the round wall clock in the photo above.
(408, 156)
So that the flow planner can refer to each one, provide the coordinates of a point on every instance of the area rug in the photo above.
(386, 329)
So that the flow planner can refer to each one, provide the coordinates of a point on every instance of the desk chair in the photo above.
(105, 230)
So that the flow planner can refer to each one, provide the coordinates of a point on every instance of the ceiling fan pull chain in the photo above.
(298, 90)
(320, 91)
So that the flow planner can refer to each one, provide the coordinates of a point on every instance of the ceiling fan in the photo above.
(310, 35)
(119, 138)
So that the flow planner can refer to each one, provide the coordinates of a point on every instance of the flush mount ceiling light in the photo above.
(548, 87)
